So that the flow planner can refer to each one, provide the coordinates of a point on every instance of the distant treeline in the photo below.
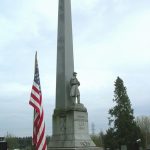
(23, 143)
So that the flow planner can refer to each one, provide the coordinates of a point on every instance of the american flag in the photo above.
(39, 138)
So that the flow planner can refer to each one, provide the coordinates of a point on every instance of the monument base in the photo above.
(70, 130)
(88, 148)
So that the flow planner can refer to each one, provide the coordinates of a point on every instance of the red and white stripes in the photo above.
(39, 138)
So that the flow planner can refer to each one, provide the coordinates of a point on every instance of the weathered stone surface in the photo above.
(84, 148)
(65, 62)
(77, 107)
(70, 130)
(70, 120)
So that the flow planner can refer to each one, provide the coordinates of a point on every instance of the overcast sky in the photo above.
(111, 38)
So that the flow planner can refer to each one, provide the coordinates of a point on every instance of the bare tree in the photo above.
(144, 124)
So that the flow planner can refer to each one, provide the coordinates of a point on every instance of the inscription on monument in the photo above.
(81, 122)
(85, 144)
(63, 125)
(81, 125)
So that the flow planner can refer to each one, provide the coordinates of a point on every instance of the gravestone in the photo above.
(3, 145)
(70, 118)
(123, 147)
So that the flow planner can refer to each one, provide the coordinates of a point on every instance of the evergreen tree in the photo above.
(125, 130)
(110, 140)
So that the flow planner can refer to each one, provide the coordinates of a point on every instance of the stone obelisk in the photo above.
(65, 62)
(70, 120)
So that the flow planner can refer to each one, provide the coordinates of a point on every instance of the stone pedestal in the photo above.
(70, 130)
(82, 148)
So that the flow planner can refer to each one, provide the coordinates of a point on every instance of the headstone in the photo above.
(123, 147)
(70, 118)
(148, 147)
(140, 148)
(3, 145)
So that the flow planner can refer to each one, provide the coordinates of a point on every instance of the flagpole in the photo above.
(33, 144)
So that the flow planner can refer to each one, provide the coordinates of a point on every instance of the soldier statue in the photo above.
(74, 92)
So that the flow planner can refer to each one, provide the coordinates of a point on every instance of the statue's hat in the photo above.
(74, 73)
